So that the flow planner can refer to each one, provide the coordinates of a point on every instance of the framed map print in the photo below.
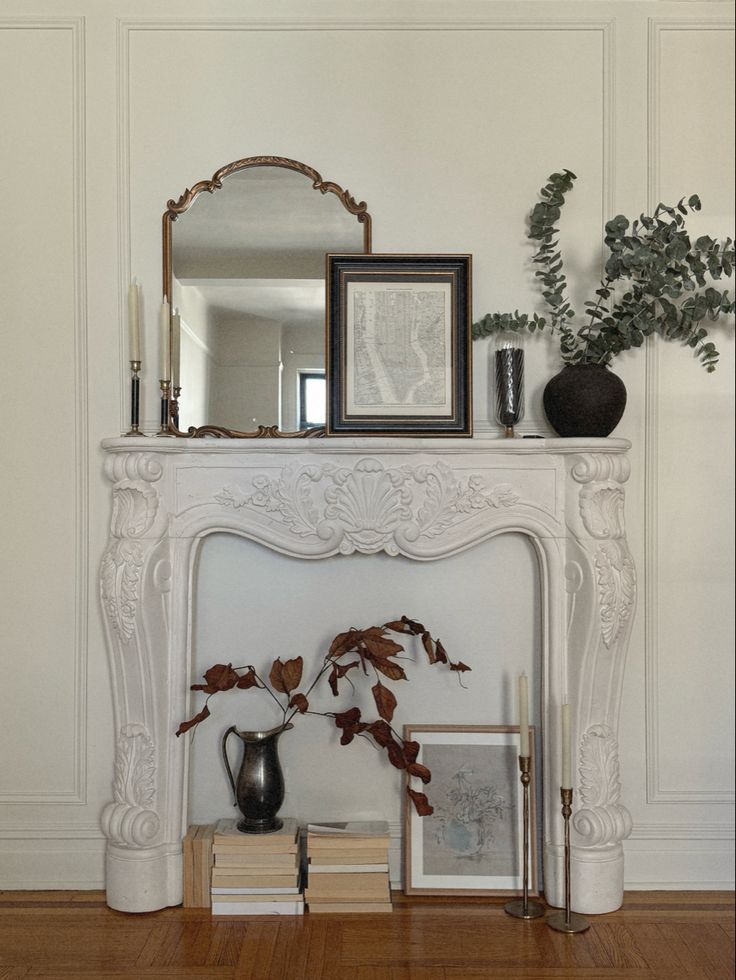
(399, 345)
(472, 844)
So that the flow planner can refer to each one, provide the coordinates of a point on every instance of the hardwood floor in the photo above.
(655, 936)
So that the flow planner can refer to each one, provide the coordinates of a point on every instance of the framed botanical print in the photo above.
(399, 345)
(472, 844)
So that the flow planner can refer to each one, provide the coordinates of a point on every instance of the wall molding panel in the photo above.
(74, 29)
(657, 792)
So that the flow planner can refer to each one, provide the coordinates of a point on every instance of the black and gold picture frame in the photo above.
(399, 345)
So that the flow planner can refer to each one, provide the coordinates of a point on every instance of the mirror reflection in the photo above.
(244, 269)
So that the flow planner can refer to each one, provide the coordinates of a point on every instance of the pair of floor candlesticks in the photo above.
(565, 920)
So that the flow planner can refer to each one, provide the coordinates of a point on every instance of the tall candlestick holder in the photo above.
(174, 406)
(135, 399)
(165, 401)
(567, 921)
(523, 908)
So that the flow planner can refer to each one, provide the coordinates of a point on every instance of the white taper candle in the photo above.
(524, 716)
(175, 348)
(165, 320)
(134, 325)
(566, 782)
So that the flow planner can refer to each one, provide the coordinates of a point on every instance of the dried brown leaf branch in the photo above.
(364, 651)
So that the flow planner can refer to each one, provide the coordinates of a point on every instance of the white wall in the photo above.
(445, 117)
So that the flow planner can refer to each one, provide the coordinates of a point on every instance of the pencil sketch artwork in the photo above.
(400, 347)
(474, 827)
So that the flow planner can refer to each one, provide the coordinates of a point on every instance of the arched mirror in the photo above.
(244, 273)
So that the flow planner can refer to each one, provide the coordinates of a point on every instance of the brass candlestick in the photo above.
(567, 921)
(523, 908)
(165, 398)
(174, 406)
(135, 396)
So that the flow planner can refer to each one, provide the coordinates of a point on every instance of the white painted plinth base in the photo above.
(143, 880)
(596, 878)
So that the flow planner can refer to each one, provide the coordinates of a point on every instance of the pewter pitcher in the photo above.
(259, 789)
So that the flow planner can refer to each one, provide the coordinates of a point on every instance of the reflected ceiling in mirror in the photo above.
(244, 266)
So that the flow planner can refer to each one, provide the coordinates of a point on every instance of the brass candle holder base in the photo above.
(560, 922)
(165, 402)
(522, 908)
(519, 910)
(567, 920)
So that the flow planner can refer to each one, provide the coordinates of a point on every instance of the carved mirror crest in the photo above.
(244, 274)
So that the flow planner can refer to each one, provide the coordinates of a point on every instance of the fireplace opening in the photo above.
(251, 604)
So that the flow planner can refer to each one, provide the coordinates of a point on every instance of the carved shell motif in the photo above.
(366, 505)
(602, 511)
(369, 502)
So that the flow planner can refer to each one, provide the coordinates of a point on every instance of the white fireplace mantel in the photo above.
(318, 498)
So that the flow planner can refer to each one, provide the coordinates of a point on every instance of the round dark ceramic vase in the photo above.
(259, 786)
(584, 400)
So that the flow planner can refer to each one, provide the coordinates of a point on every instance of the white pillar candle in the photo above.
(524, 716)
(134, 325)
(566, 782)
(175, 348)
(165, 320)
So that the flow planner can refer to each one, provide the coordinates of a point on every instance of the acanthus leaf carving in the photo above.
(131, 819)
(120, 577)
(135, 767)
(602, 819)
(616, 581)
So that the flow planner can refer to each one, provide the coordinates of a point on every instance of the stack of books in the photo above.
(348, 867)
(197, 857)
(256, 874)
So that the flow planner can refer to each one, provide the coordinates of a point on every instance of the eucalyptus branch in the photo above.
(663, 278)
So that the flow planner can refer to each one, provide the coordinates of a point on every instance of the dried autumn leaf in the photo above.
(186, 725)
(381, 646)
(299, 701)
(413, 626)
(286, 676)
(420, 771)
(221, 677)
(343, 642)
(429, 647)
(394, 672)
(459, 666)
(381, 732)
(248, 680)
(350, 723)
(338, 671)
(440, 653)
(421, 803)
(395, 755)
(411, 751)
(343, 719)
(385, 700)
(398, 626)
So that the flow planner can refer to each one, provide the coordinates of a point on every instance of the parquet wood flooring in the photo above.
(655, 936)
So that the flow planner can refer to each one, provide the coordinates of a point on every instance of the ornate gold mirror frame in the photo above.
(180, 206)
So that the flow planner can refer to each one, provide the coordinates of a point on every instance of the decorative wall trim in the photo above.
(655, 791)
(77, 793)
(686, 831)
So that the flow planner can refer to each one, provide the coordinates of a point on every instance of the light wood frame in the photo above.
(419, 878)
